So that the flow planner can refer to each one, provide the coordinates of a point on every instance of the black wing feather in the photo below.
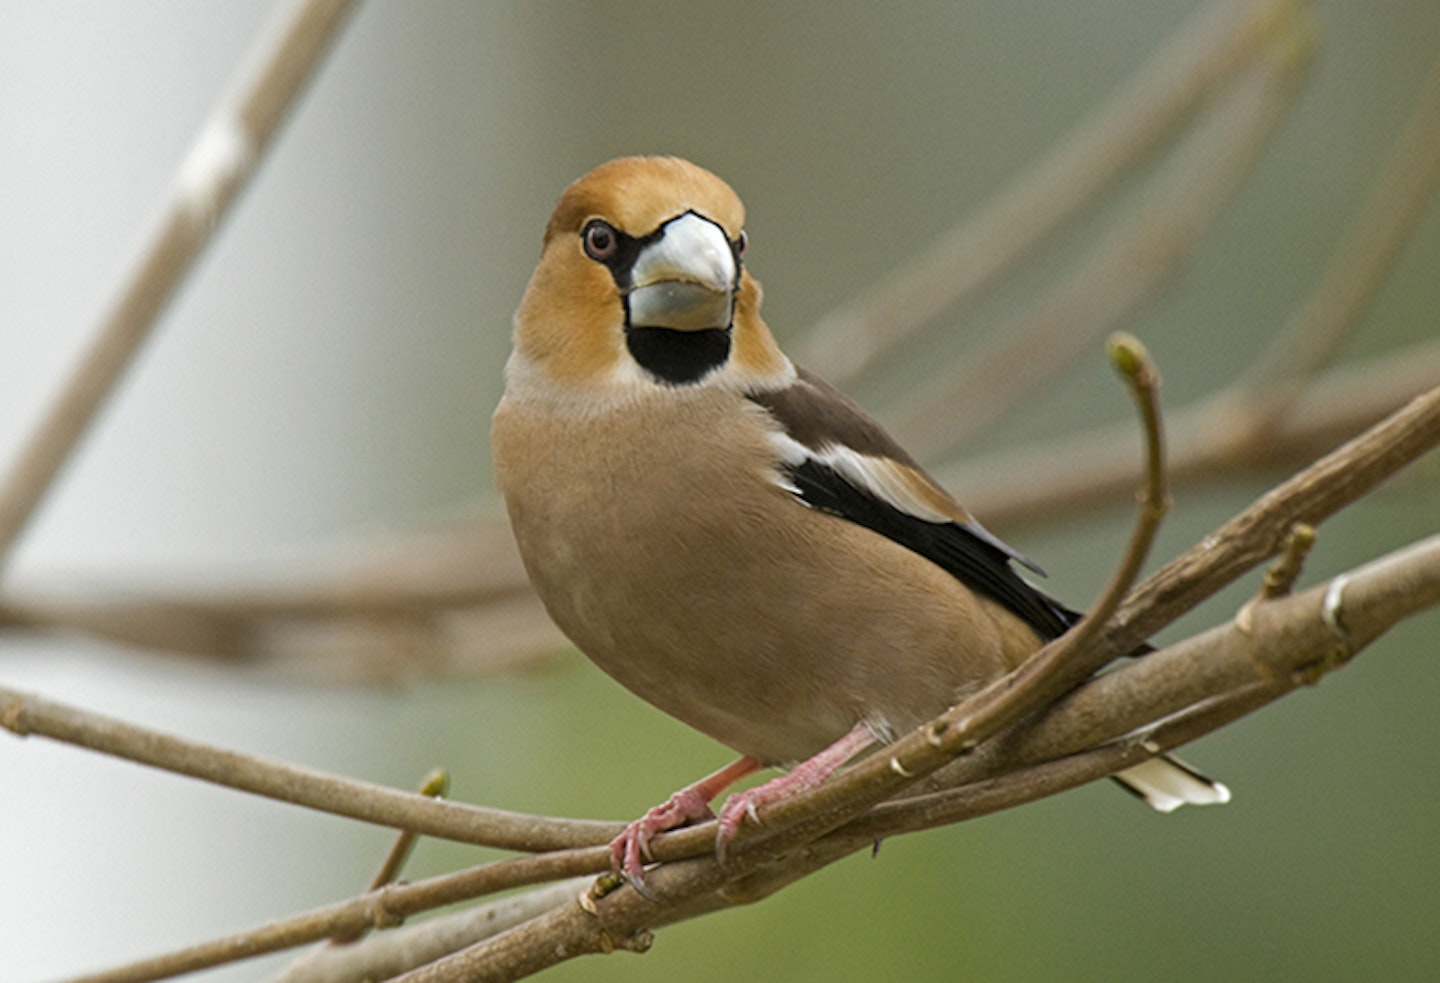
(968, 555)
(815, 415)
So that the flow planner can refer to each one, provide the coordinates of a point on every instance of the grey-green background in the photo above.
(330, 368)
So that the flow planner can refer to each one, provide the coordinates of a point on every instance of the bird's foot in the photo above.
(747, 803)
(806, 775)
(631, 849)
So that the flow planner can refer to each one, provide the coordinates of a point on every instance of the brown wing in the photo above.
(844, 463)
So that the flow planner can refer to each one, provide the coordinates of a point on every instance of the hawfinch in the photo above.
(725, 534)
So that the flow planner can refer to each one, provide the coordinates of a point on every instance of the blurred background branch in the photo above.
(224, 155)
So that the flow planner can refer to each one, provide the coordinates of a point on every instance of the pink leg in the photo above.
(807, 774)
(631, 848)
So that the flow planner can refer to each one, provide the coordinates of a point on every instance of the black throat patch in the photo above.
(678, 358)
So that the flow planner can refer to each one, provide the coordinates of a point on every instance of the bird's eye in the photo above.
(741, 242)
(600, 240)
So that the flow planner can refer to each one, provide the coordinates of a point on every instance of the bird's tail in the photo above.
(1166, 783)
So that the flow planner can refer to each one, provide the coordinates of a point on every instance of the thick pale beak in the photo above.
(684, 280)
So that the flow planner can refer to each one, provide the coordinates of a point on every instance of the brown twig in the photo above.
(390, 953)
(377, 909)
(25, 714)
(1215, 673)
(435, 786)
(1259, 532)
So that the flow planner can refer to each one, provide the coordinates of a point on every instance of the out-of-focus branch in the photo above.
(1127, 269)
(450, 599)
(1397, 200)
(226, 154)
(1215, 46)
(1050, 480)
(1281, 413)
(454, 599)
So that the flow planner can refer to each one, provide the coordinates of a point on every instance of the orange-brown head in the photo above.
(642, 276)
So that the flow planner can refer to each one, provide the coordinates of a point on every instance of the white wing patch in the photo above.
(886, 480)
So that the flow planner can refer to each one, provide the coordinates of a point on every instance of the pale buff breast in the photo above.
(661, 543)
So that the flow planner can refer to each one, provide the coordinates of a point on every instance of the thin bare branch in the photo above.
(25, 714)
(1043, 678)
(435, 786)
(227, 152)
(388, 906)
(390, 953)
(1258, 533)
(1193, 687)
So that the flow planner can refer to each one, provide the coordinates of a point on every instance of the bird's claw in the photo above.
(737, 809)
(630, 851)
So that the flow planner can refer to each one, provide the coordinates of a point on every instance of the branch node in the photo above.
(1281, 576)
(12, 718)
(379, 911)
(601, 886)
(1245, 617)
(221, 157)
(1330, 613)
(640, 941)
(586, 898)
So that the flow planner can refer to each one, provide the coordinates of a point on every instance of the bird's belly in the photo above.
(713, 594)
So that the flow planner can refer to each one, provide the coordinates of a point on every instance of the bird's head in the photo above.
(642, 275)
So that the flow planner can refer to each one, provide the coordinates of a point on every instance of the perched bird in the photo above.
(725, 534)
